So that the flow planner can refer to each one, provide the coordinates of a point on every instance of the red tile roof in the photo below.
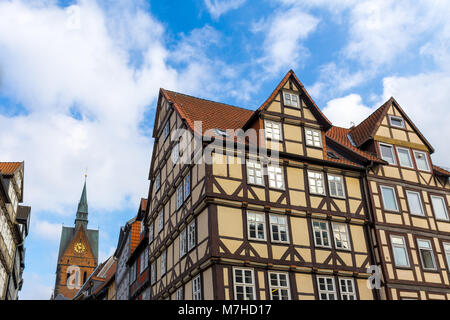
(340, 136)
(9, 168)
(441, 171)
(366, 129)
(212, 114)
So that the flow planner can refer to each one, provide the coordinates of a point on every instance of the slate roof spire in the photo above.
(82, 212)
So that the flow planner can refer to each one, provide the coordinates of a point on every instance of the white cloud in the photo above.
(284, 32)
(216, 8)
(425, 98)
(343, 111)
(46, 230)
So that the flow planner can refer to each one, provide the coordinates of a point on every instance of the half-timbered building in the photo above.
(409, 197)
(265, 204)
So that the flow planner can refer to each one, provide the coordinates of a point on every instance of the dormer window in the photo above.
(220, 132)
(273, 130)
(397, 122)
(291, 100)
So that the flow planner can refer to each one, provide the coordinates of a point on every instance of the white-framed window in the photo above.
(400, 251)
(244, 284)
(313, 138)
(347, 287)
(387, 153)
(389, 198)
(192, 239)
(183, 242)
(404, 157)
(276, 177)
(151, 232)
(336, 186)
(415, 203)
(341, 236)
(321, 234)
(446, 251)
(255, 172)
(145, 258)
(316, 183)
(291, 100)
(163, 262)
(279, 228)
(256, 226)
(421, 160)
(180, 196)
(158, 181)
(180, 293)
(439, 208)
(273, 130)
(327, 289)
(397, 122)
(279, 286)
(161, 220)
(187, 186)
(176, 153)
(142, 262)
(153, 272)
(426, 254)
(166, 131)
(197, 288)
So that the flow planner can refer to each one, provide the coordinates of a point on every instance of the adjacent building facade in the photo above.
(78, 253)
(278, 203)
(14, 226)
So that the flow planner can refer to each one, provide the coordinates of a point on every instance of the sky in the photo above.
(79, 82)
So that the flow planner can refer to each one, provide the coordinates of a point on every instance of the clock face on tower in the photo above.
(79, 247)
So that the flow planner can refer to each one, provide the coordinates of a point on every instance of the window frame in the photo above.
(342, 184)
(161, 219)
(180, 293)
(286, 225)
(285, 103)
(176, 153)
(321, 234)
(244, 284)
(180, 195)
(403, 126)
(446, 250)
(272, 123)
(276, 176)
(347, 235)
(430, 249)
(312, 135)
(427, 162)
(279, 286)
(158, 181)
(151, 232)
(163, 263)
(347, 294)
(183, 243)
(382, 187)
(191, 236)
(256, 228)
(408, 192)
(444, 203)
(406, 250)
(166, 130)
(409, 157)
(186, 183)
(382, 144)
(153, 273)
(315, 179)
(326, 291)
(261, 169)
(197, 292)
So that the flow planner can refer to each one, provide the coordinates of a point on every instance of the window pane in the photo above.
(439, 207)
(421, 161)
(389, 199)
(404, 157)
(387, 154)
(415, 204)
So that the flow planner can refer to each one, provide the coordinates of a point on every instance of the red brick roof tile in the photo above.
(9, 168)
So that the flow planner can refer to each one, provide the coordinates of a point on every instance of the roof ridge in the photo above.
(208, 100)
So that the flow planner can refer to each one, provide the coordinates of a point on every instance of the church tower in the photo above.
(78, 253)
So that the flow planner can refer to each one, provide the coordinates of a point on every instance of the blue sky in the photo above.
(79, 82)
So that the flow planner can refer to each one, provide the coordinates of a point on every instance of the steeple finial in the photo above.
(82, 212)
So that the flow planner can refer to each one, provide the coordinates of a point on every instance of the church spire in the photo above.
(82, 212)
